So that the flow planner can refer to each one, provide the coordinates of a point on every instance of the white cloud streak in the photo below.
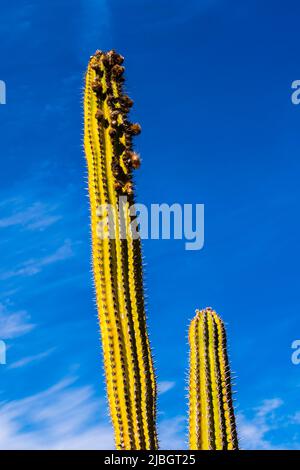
(172, 433)
(35, 265)
(253, 432)
(38, 216)
(165, 386)
(62, 417)
(25, 361)
(14, 324)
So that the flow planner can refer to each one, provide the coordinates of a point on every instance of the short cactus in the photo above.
(211, 415)
(117, 260)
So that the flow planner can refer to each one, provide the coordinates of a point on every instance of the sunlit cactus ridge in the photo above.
(211, 415)
(117, 261)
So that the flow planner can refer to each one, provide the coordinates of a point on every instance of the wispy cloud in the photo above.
(25, 361)
(37, 216)
(254, 432)
(268, 407)
(14, 324)
(34, 266)
(172, 433)
(61, 417)
(165, 386)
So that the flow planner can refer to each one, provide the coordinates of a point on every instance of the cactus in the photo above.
(117, 261)
(211, 415)
(117, 266)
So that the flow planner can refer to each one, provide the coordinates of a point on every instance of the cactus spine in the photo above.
(117, 262)
(211, 415)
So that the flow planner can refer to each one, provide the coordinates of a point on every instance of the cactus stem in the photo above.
(211, 416)
(130, 379)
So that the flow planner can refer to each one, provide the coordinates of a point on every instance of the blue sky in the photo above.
(211, 81)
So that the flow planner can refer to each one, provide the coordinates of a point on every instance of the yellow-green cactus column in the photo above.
(211, 414)
(117, 261)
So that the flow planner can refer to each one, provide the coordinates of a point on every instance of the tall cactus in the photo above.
(211, 415)
(117, 261)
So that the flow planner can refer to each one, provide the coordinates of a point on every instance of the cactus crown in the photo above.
(113, 107)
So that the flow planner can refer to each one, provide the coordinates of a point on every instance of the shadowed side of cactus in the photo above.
(117, 261)
(211, 414)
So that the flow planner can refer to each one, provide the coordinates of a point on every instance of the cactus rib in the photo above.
(211, 415)
(130, 378)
